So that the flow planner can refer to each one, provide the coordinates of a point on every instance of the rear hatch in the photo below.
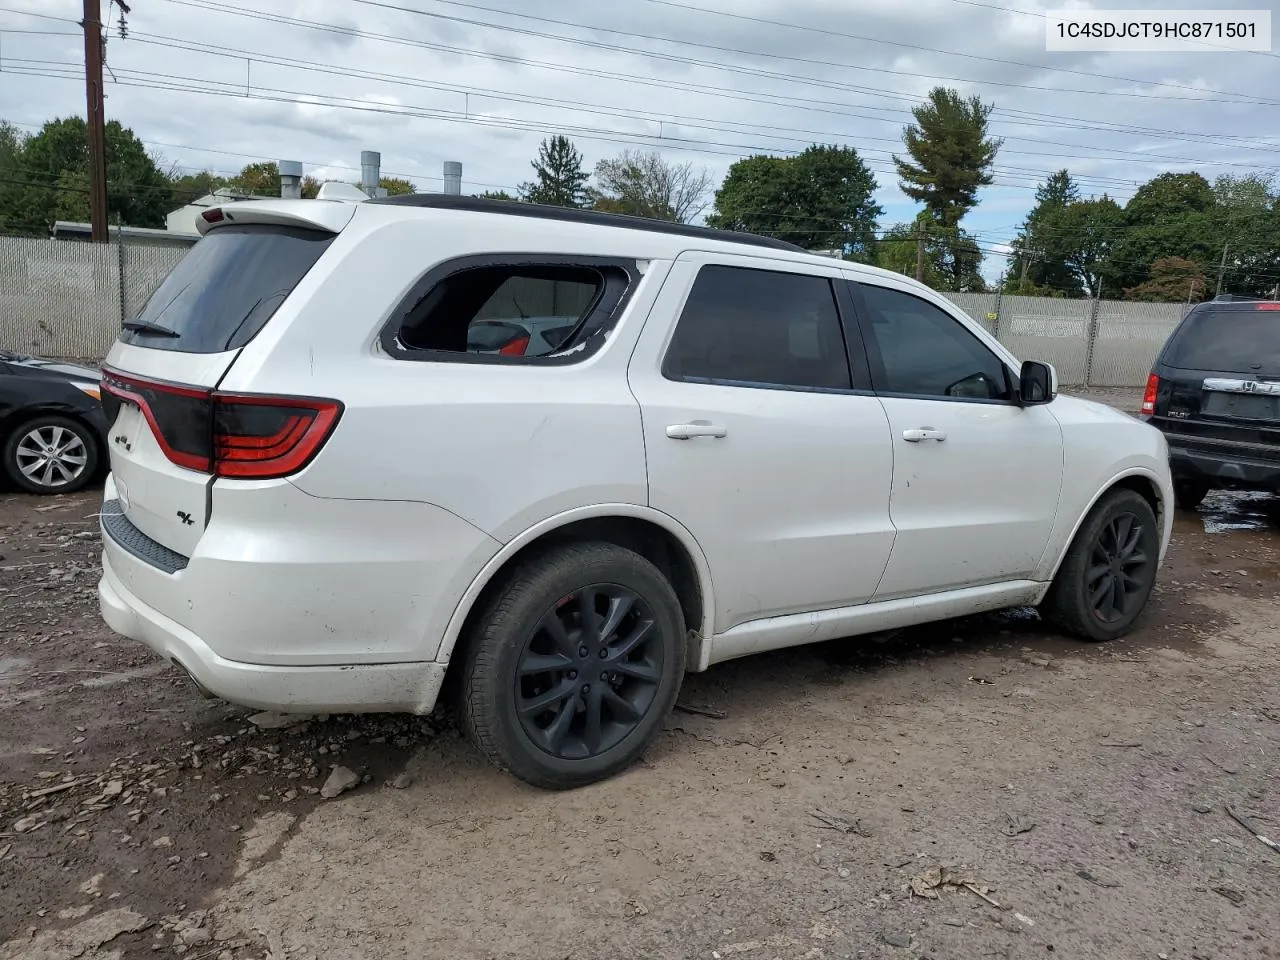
(1216, 386)
(172, 432)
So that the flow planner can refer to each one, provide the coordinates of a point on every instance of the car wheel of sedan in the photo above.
(1106, 577)
(573, 665)
(51, 454)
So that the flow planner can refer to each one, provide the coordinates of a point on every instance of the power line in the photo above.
(615, 110)
(382, 4)
(758, 97)
(712, 148)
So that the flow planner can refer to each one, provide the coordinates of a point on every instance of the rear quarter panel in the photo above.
(1101, 447)
(500, 446)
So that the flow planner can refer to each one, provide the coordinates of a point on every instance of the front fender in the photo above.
(1070, 517)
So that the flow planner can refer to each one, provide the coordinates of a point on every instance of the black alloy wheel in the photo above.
(572, 664)
(589, 672)
(1106, 577)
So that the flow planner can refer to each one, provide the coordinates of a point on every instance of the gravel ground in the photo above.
(981, 788)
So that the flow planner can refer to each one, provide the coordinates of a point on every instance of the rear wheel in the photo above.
(1188, 494)
(574, 665)
(1106, 577)
(51, 454)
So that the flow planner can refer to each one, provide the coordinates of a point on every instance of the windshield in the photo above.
(226, 289)
(1236, 339)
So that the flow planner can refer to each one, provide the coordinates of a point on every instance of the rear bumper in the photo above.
(1223, 468)
(361, 688)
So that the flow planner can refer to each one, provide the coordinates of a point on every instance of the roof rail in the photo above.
(515, 208)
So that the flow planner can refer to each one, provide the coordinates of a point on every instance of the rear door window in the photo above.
(226, 289)
(1240, 338)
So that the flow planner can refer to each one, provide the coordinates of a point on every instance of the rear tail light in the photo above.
(245, 436)
(515, 348)
(1268, 306)
(1149, 397)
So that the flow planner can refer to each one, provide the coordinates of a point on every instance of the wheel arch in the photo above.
(1143, 481)
(656, 536)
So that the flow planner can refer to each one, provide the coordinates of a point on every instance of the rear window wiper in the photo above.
(150, 329)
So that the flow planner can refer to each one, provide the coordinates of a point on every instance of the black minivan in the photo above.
(1215, 394)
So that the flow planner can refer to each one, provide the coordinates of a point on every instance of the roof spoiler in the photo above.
(328, 215)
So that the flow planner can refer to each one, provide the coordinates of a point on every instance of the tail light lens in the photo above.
(245, 436)
(1149, 397)
(515, 348)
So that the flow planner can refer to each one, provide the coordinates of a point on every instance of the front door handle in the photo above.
(698, 428)
(923, 433)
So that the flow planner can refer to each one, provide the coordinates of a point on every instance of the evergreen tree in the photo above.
(561, 180)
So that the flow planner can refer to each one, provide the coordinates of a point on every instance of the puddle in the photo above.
(1225, 510)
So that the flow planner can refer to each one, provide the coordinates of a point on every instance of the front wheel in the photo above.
(51, 454)
(1106, 577)
(573, 665)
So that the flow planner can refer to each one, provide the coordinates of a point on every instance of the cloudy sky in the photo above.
(215, 84)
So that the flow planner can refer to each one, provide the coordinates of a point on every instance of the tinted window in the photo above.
(502, 309)
(226, 288)
(1236, 339)
(759, 326)
(926, 352)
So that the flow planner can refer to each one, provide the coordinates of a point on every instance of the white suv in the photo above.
(321, 499)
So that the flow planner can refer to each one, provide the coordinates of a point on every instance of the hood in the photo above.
(50, 368)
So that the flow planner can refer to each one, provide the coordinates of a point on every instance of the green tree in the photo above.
(1034, 260)
(56, 160)
(310, 188)
(645, 185)
(1084, 234)
(12, 145)
(949, 154)
(1173, 280)
(820, 199)
(952, 259)
(1249, 233)
(397, 186)
(561, 180)
(260, 179)
(190, 187)
(494, 195)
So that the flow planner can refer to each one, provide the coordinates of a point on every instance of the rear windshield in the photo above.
(226, 289)
(1235, 339)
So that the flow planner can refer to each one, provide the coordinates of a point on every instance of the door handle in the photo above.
(698, 428)
(923, 433)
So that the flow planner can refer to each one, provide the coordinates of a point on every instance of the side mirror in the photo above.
(1037, 384)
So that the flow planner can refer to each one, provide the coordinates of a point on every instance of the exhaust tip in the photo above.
(200, 688)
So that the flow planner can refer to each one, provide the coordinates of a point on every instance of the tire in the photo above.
(1188, 494)
(29, 469)
(536, 723)
(1122, 520)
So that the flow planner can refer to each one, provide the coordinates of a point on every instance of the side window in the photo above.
(510, 310)
(927, 353)
(744, 325)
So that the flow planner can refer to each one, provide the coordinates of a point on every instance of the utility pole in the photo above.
(1222, 268)
(92, 24)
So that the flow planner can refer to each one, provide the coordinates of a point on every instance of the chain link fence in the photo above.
(61, 298)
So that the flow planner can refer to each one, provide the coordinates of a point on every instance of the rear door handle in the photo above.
(923, 433)
(698, 428)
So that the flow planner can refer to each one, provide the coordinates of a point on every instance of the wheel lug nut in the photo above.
(604, 654)
(583, 652)
(604, 676)
(586, 688)
(573, 674)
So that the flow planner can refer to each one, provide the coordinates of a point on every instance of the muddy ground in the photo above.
(1043, 797)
